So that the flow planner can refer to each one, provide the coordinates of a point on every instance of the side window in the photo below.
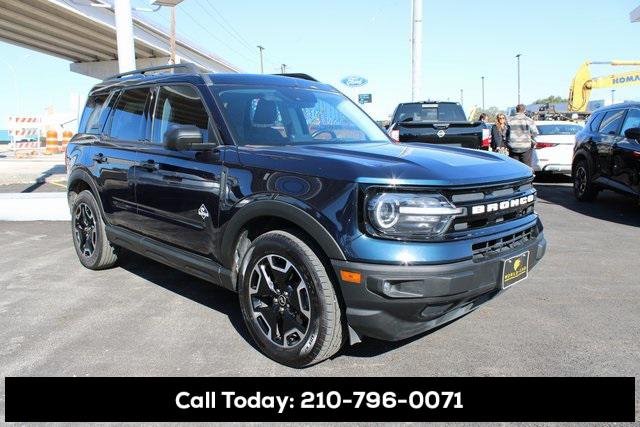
(595, 122)
(90, 121)
(611, 122)
(631, 121)
(179, 105)
(128, 122)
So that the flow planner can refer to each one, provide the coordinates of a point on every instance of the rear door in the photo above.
(116, 156)
(607, 136)
(178, 191)
(626, 155)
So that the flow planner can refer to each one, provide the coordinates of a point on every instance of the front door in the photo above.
(605, 139)
(178, 192)
(626, 155)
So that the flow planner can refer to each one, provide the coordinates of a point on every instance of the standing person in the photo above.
(522, 136)
(483, 119)
(500, 133)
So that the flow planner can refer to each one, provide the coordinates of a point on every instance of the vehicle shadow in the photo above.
(42, 179)
(187, 286)
(609, 206)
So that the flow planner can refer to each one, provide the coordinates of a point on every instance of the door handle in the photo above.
(100, 158)
(149, 165)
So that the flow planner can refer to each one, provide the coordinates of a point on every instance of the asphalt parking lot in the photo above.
(577, 315)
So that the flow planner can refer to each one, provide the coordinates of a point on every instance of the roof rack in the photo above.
(298, 76)
(187, 67)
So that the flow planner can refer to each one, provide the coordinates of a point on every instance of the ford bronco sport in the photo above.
(281, 189)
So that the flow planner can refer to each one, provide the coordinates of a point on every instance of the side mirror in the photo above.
(633, 133)
(185, 137)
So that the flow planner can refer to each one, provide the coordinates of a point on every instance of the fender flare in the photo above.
(583, 154)
(84, 176)
(283, 210)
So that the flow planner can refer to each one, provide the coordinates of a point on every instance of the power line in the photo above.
(235, 33)
(252, 60)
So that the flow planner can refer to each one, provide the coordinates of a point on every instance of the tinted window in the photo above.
(179, 105)
(129, 122)
(631, 121)
(558, 129)
(595, 122)
(90, 121)
(611, 122)
(418, 112)
(284, 115)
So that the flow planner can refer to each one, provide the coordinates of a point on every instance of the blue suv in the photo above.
(281, 189)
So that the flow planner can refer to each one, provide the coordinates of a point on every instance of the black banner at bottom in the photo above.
(30, 399)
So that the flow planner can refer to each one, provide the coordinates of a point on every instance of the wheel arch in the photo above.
(80, 180)
(267, 215)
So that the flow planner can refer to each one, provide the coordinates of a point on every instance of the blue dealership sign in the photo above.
(354, 81)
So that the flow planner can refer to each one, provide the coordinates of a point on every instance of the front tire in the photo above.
(583, 187)
(89, 236)
(288, 302)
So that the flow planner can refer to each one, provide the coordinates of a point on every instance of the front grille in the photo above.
(492, 248)
(487, 199)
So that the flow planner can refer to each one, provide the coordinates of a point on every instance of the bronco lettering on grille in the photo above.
(500, 206)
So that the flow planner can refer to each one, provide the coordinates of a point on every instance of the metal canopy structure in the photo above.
(83, 32)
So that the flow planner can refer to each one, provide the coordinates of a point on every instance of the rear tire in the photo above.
(583, 187)
(89, 236)
(288, 301)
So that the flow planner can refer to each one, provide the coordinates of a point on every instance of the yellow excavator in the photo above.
(583, 83)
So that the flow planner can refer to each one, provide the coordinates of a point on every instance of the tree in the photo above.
(491, 113)
(551, 99)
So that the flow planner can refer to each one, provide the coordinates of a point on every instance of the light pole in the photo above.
(416, 49)
(283, 68)
(518, 60)
(261, 63)
(462, 97)
(482, 93)
(613, 96)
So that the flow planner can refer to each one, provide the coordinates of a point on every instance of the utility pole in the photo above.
(261, 63)
(283, 68)
(172, 37)
(482, 93)
(518, 60)
(462, 97)
(124, 36)
(416, 50)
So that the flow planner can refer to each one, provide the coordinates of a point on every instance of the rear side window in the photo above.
(631, 121)
(90, 121)
(128, 122)
(426, 112)
(179, 105)
(595, 122)
(611, 122)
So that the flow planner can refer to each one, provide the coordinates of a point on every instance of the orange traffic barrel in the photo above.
(66, 137)
(52, 142)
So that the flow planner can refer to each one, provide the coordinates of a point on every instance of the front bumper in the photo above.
(444, 292)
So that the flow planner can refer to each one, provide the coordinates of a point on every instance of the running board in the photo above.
(187, 262)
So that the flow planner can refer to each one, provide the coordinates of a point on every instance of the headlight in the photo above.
(411, 215)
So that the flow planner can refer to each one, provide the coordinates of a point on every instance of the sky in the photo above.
(331, 39)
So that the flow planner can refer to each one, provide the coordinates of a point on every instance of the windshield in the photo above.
(429, 112)
(285, 116)
(558, 129)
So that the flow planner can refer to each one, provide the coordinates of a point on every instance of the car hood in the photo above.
(388, 163)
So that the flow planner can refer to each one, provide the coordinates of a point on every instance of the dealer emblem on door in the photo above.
(203, 212)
